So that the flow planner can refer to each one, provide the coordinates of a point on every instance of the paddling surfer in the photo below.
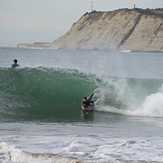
(15, 64)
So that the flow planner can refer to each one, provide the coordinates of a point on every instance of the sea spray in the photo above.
(136, 97)
(152, 105)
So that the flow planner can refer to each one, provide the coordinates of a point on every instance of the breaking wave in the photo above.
(136, 97)
(55, 94)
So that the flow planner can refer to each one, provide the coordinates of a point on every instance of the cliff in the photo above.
(134, 29)
(131, 29)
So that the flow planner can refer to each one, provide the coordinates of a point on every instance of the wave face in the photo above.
(40, 93)
(55, 94)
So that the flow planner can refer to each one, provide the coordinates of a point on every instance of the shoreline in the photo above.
(83, 49)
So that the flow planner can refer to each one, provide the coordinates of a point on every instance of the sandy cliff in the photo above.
(134, 29)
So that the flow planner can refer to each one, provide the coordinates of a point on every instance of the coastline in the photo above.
(52, 48)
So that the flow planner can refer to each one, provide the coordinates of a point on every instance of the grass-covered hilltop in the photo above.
(131, 29)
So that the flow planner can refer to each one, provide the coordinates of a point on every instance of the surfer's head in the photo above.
(15, 60)
(85, 98)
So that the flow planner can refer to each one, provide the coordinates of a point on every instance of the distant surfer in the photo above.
(88, 103)
(15, 64)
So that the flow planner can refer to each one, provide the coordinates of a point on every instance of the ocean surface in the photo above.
(40, 117)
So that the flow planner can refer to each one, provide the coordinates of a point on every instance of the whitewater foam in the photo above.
(10, 153)
(119, 96)
(112, 150)
(152, 106)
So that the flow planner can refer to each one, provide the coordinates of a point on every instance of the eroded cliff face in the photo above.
(134, 29)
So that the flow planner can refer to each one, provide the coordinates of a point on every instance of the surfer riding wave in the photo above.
(88, 103)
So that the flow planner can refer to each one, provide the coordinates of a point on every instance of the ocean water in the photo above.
(40, 117)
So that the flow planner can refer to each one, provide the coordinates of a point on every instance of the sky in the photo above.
(46, 20)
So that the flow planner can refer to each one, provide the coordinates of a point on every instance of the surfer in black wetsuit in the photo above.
(87, 101)
(15, 64)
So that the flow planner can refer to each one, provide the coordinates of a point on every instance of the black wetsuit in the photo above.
(88, 101)
(15, 65)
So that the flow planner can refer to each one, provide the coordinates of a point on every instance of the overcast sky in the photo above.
(45, 20)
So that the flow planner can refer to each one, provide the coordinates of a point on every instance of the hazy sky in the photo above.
(45, 20)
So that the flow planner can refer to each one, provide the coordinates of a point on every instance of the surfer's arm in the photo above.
(91, 96)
